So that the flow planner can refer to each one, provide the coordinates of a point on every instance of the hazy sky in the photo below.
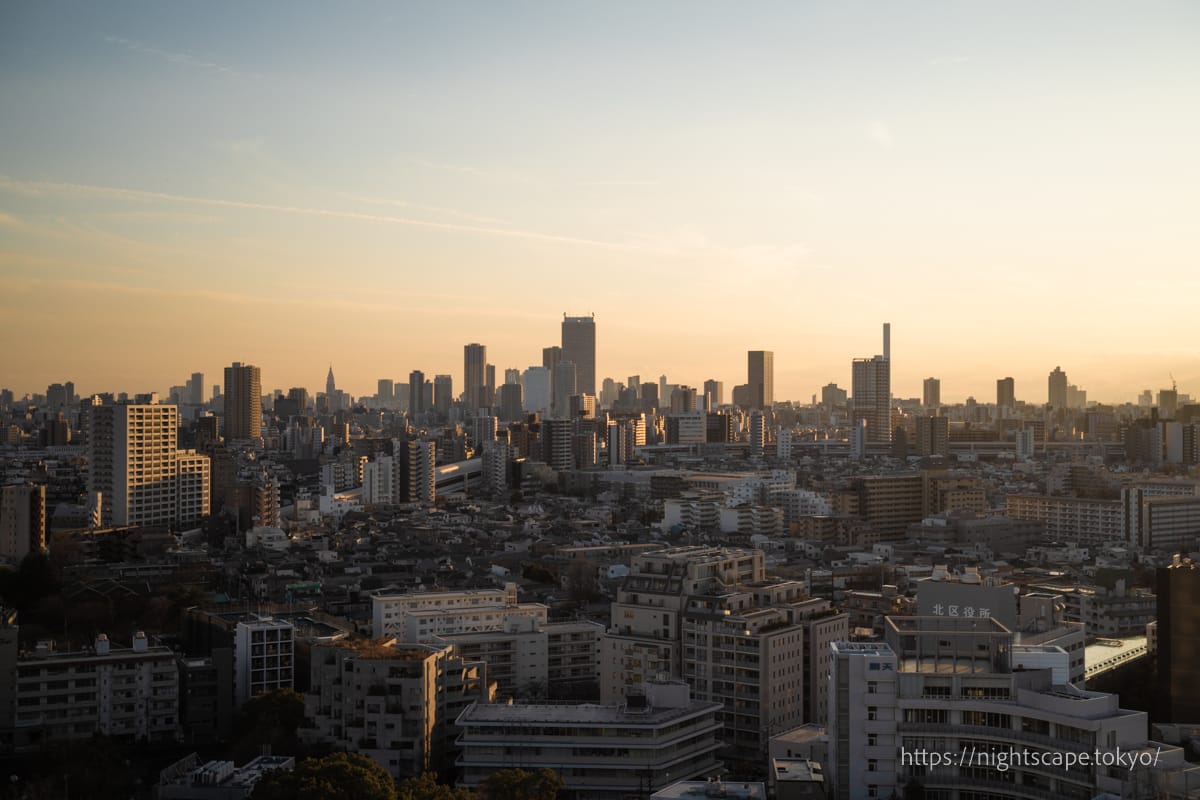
(1014, 186)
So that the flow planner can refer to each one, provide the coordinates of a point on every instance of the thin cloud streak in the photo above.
(184, 59)
(46, 187)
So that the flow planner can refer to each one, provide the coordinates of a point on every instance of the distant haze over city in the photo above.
(1013, 187)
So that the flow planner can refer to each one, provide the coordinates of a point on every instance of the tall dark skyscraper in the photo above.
(243, 402)
(1178, 592)
(871, 391)
(330, 383)
(579, 347)
(474, 375)
(443, 394)
(1006, 393)
(416, 387)
(933, 393)
(760, 377)
(1058, 388)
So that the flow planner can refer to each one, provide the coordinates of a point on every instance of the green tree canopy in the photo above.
(426, 787)
(520, 784)
(339, 776)
(270, 719)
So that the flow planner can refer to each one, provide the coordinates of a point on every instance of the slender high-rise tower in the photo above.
(474, 375)
(760, 377)
(579, 347)
(243, 401)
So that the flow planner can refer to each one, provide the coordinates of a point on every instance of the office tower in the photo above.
(385, 390)
(474, 375)
(933, 393)
(330, 383)
(871, 390)
(683, 399)
(299, 396)
(649, 396)
(512, 375)
(933, 436)
(887, 341)
(565, 385)
(714, 391)
(1168, 403)
(536, 383)
(1178, 593)
(56, 396)
(416, 385)
(510, 402)
(22, 521)
(133, 463)
(489, 382)
(832, 396)
(760, 377)
(1057, 389)
(1146, 399)
(609, 393)
(1006, 394)
(243, 402)
(443, 395)
(579, 347)
(195, 387)
(551, 358)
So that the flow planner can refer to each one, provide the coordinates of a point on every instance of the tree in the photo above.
(340, 776)
(426, 787)
(519, 784)
(271, 720)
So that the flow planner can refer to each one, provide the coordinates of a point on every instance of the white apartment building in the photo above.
(264, 657)
(129, 693)
(602, 752)
(956, 685)
(421, 616)
(395, 703)
(136, 472)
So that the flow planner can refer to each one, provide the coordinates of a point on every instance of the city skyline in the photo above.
(796, 176)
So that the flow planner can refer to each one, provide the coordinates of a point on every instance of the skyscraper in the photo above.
(714, 391)
(1006, 393)
(443, 394)
(760, 372)
(933, 393)
(330, 383)
(243, 401)
(416, 385)
(1058, 388)
(565, 384)
(870, 396)
(579, 347)
(196, 389)
(474, 375)
(1178, 591)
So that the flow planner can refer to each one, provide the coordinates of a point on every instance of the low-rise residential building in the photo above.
(602, 752)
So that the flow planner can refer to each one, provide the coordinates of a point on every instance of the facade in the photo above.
(1057, 389)
(932, 394)
(1006, 395)
(712, 617)
(395, 703)
(195, 486)
(134, 465)
(964, 686)
(1178, 642)
(760, 378)
(606, 752)
(420, 616)
(22, 521)
(243, 402)
(579, 347)
(264, 657)
(933, 436)
(130, 693)
(475, 376)
(871, 395)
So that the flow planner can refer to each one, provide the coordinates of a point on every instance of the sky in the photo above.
(1013, 186)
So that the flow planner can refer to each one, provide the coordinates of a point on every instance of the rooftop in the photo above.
(578, 714)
